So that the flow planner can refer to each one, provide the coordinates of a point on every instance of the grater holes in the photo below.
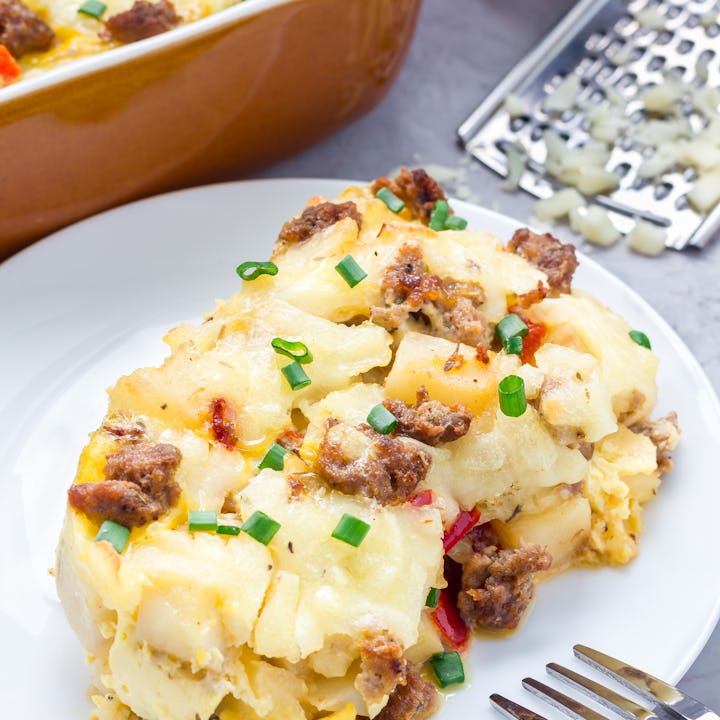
(585, 66)
(627, 84)
(536, 134)
(682, 203)
(626, 25)
(706, 55)
(685, 46)
(689, 174)
(622, 169)
(605, 73)
(656, 64)
(662, 190)
(597, 42)
(518, 123)
(692, 21)
(664, 37)
(713, 30)
(676, 73)
(672, 12)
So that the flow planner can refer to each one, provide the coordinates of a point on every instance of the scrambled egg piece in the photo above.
(182, 622)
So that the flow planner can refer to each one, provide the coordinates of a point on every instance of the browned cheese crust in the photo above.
(23, 31)
(139, 488)
(384, 468)
(556, 259)
(451, 308)
(315, 218)
(142, 20)
(429, 421)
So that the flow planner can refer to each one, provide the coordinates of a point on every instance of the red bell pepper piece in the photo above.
(532, 341)
(9, 69)
(463, 524)
(449, 622)
(422, 498)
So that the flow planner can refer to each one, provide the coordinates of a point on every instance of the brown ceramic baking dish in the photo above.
(217, 98)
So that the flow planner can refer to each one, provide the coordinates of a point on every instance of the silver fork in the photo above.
(662, 697)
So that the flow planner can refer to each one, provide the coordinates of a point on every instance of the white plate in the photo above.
(93, 301)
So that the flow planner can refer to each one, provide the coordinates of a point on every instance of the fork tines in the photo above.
(659, 693)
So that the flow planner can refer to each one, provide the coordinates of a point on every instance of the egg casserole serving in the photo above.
(37, 35)
(371, 451)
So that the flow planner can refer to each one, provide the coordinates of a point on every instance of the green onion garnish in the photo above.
(260, 527)
(93, 8)
(439, 215)
(511, 392)
(514, 345)
(202, 520)
(511, 330)
(350, 271)
(296, 376)
(393, 202)
(274, 458)
(117, 535)
(228, 530)
(640, 338)
(251, 270)
(382, 420)
(448, 668)
(511, 326)
(431, 600)
(294, 350)
(455, 223)
(351, 530)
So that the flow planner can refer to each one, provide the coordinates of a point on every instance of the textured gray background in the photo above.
(461, 50)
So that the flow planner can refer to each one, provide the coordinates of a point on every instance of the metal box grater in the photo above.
(588, 41)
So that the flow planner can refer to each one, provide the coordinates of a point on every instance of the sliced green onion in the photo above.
(431, 600)
(228, 530)
(295, 350)
(260, 527)
(117, 535)
(350, 271)
(202, 520)
(93, 8)
(251, 270)
(274, 458)
(382, 420)
(448, 668)
(439, 215)
(351, 530)
(511, 392)
(640, 338)
(393, 202)
(511, 326)
(514, 345)
(296, 376)
(455, 223)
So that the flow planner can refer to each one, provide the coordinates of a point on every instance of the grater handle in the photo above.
(709, 227)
